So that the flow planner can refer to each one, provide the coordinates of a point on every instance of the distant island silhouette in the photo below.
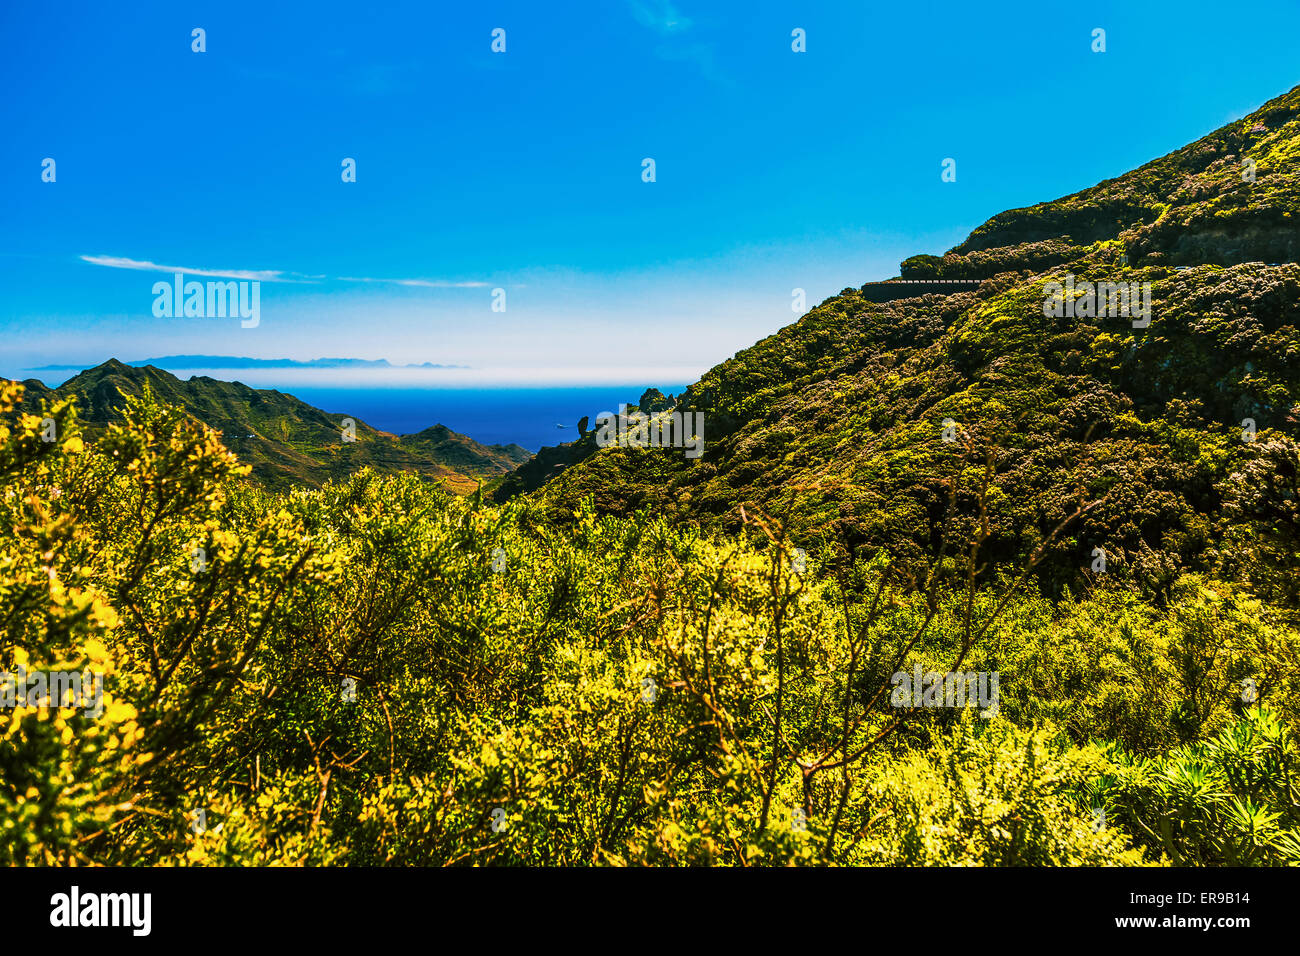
(238, 361)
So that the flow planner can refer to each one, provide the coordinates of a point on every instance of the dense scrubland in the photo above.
(614, 690)
(623, 656)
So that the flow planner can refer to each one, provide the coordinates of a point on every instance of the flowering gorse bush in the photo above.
(380, 673)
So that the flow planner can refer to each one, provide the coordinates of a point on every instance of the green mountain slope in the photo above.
(837, 421)
(285, 440)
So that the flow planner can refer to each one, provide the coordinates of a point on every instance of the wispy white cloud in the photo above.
(677, 44)
(659, 15)
(273, 275)
(420, 283)
(260, 275)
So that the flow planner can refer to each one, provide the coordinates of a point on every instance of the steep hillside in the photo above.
(837, 422)
(285, 440)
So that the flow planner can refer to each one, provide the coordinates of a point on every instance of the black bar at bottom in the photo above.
(340, 906)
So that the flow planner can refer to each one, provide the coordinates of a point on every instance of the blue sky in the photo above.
(523, 170)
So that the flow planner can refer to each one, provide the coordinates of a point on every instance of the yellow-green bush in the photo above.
(608, 691)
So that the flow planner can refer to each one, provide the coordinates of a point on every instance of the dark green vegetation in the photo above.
(286, 441)
(834, 423)
(630, 658)
(614, 691)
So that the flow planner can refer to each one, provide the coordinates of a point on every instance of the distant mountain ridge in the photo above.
(285, 440)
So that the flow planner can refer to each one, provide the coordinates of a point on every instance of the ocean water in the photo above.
(492, 416)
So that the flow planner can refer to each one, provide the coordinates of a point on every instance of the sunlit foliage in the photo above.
(604, 690)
